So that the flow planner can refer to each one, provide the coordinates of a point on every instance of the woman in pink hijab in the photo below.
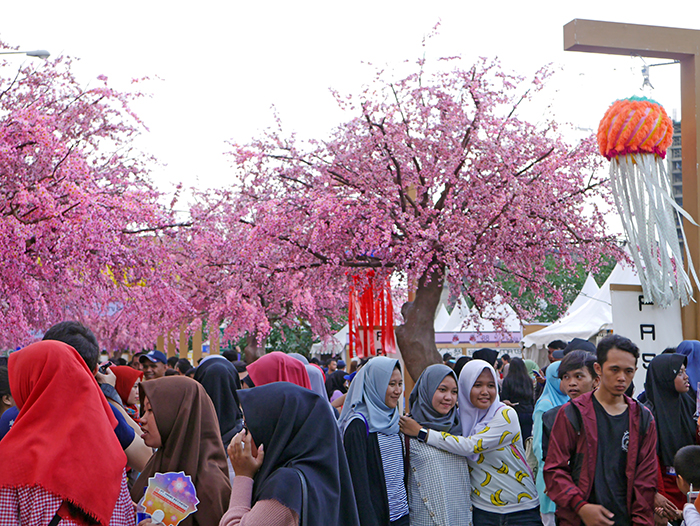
(277, 367)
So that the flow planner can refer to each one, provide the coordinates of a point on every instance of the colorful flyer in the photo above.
(173, 494)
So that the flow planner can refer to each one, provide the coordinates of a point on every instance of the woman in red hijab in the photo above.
(63, 418)
(277, 367)
(127, 386)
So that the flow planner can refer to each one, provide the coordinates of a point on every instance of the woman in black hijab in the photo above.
(673, 408)
(336, 382)
(220, 380)
(291, 431)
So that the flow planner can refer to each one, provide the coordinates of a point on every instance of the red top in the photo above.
(62, 415)
(278, 367)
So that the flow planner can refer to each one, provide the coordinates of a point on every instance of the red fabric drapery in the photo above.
(370, 307)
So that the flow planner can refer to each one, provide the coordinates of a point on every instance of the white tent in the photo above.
(459, 314)
(590, 318)
(589, 289)
(441, 318)
(334, 345)
(505, 312)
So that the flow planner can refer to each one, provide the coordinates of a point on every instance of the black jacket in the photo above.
(367, 472)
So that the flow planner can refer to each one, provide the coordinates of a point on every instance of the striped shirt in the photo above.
(391, 450)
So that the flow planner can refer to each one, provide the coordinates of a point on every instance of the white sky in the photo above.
(223, 65)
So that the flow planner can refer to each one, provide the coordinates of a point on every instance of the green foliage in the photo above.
(568, 283)
(283, 338)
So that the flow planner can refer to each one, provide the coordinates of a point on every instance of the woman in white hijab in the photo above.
(502, 481)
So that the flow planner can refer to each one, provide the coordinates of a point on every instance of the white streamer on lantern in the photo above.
(642, 191)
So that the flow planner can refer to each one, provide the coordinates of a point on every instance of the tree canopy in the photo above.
(82, 233)
(435, 176)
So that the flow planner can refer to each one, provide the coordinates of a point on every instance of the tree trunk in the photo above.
(253, 348)
(416, 337)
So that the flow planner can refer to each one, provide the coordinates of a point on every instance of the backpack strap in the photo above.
(574, 415)
(56, 519)
(644, 419)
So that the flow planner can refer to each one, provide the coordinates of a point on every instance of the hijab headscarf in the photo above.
(460, 363)
(672, 410)
(62, 413)
(221, 381)
(421, 400)
(551, 395)
(315, 373)
(278, 367)
(298, 431)
(299, 357)
(126, 378)
(473, 419)
(316, 379)
(486, 354)
(531, 367)
(367, 395)
(191, 439)
(691, 349)
(336, 382)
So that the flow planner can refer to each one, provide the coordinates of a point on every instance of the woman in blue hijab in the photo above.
(551, 397)
(369, 424)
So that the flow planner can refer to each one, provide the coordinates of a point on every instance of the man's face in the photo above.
(136, 364)
(549, 354)
(577, 382)
(617, 372)
(152, 370)
(332, 366)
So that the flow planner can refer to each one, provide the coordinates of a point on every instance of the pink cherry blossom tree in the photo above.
(83, 234)
(434, 177)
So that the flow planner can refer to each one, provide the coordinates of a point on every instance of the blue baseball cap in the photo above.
(154, 356)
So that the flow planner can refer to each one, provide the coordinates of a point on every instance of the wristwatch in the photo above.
(422, 435)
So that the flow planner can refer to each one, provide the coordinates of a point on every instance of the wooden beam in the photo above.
(613, 38)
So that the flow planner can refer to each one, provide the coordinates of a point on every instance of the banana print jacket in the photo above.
(501, 479)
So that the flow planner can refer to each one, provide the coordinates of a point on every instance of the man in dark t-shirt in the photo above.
(601, 463)
(610, 483)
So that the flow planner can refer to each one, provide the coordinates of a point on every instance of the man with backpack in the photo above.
(601, 466)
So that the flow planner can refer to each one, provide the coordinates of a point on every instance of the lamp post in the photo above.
(39, 53)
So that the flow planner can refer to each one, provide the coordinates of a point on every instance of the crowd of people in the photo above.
(286, 441)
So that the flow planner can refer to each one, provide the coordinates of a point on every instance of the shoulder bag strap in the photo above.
(56, 519)
(304, 497)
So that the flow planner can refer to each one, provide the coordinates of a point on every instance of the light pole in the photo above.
(39, 53)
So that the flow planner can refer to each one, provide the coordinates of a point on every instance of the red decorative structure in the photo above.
(370, 307)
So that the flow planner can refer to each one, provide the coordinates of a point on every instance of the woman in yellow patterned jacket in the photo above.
(503, 489)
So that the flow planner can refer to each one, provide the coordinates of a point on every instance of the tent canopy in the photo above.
(589, 318)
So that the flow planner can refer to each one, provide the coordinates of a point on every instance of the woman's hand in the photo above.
(408, 426)
(240, 453)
